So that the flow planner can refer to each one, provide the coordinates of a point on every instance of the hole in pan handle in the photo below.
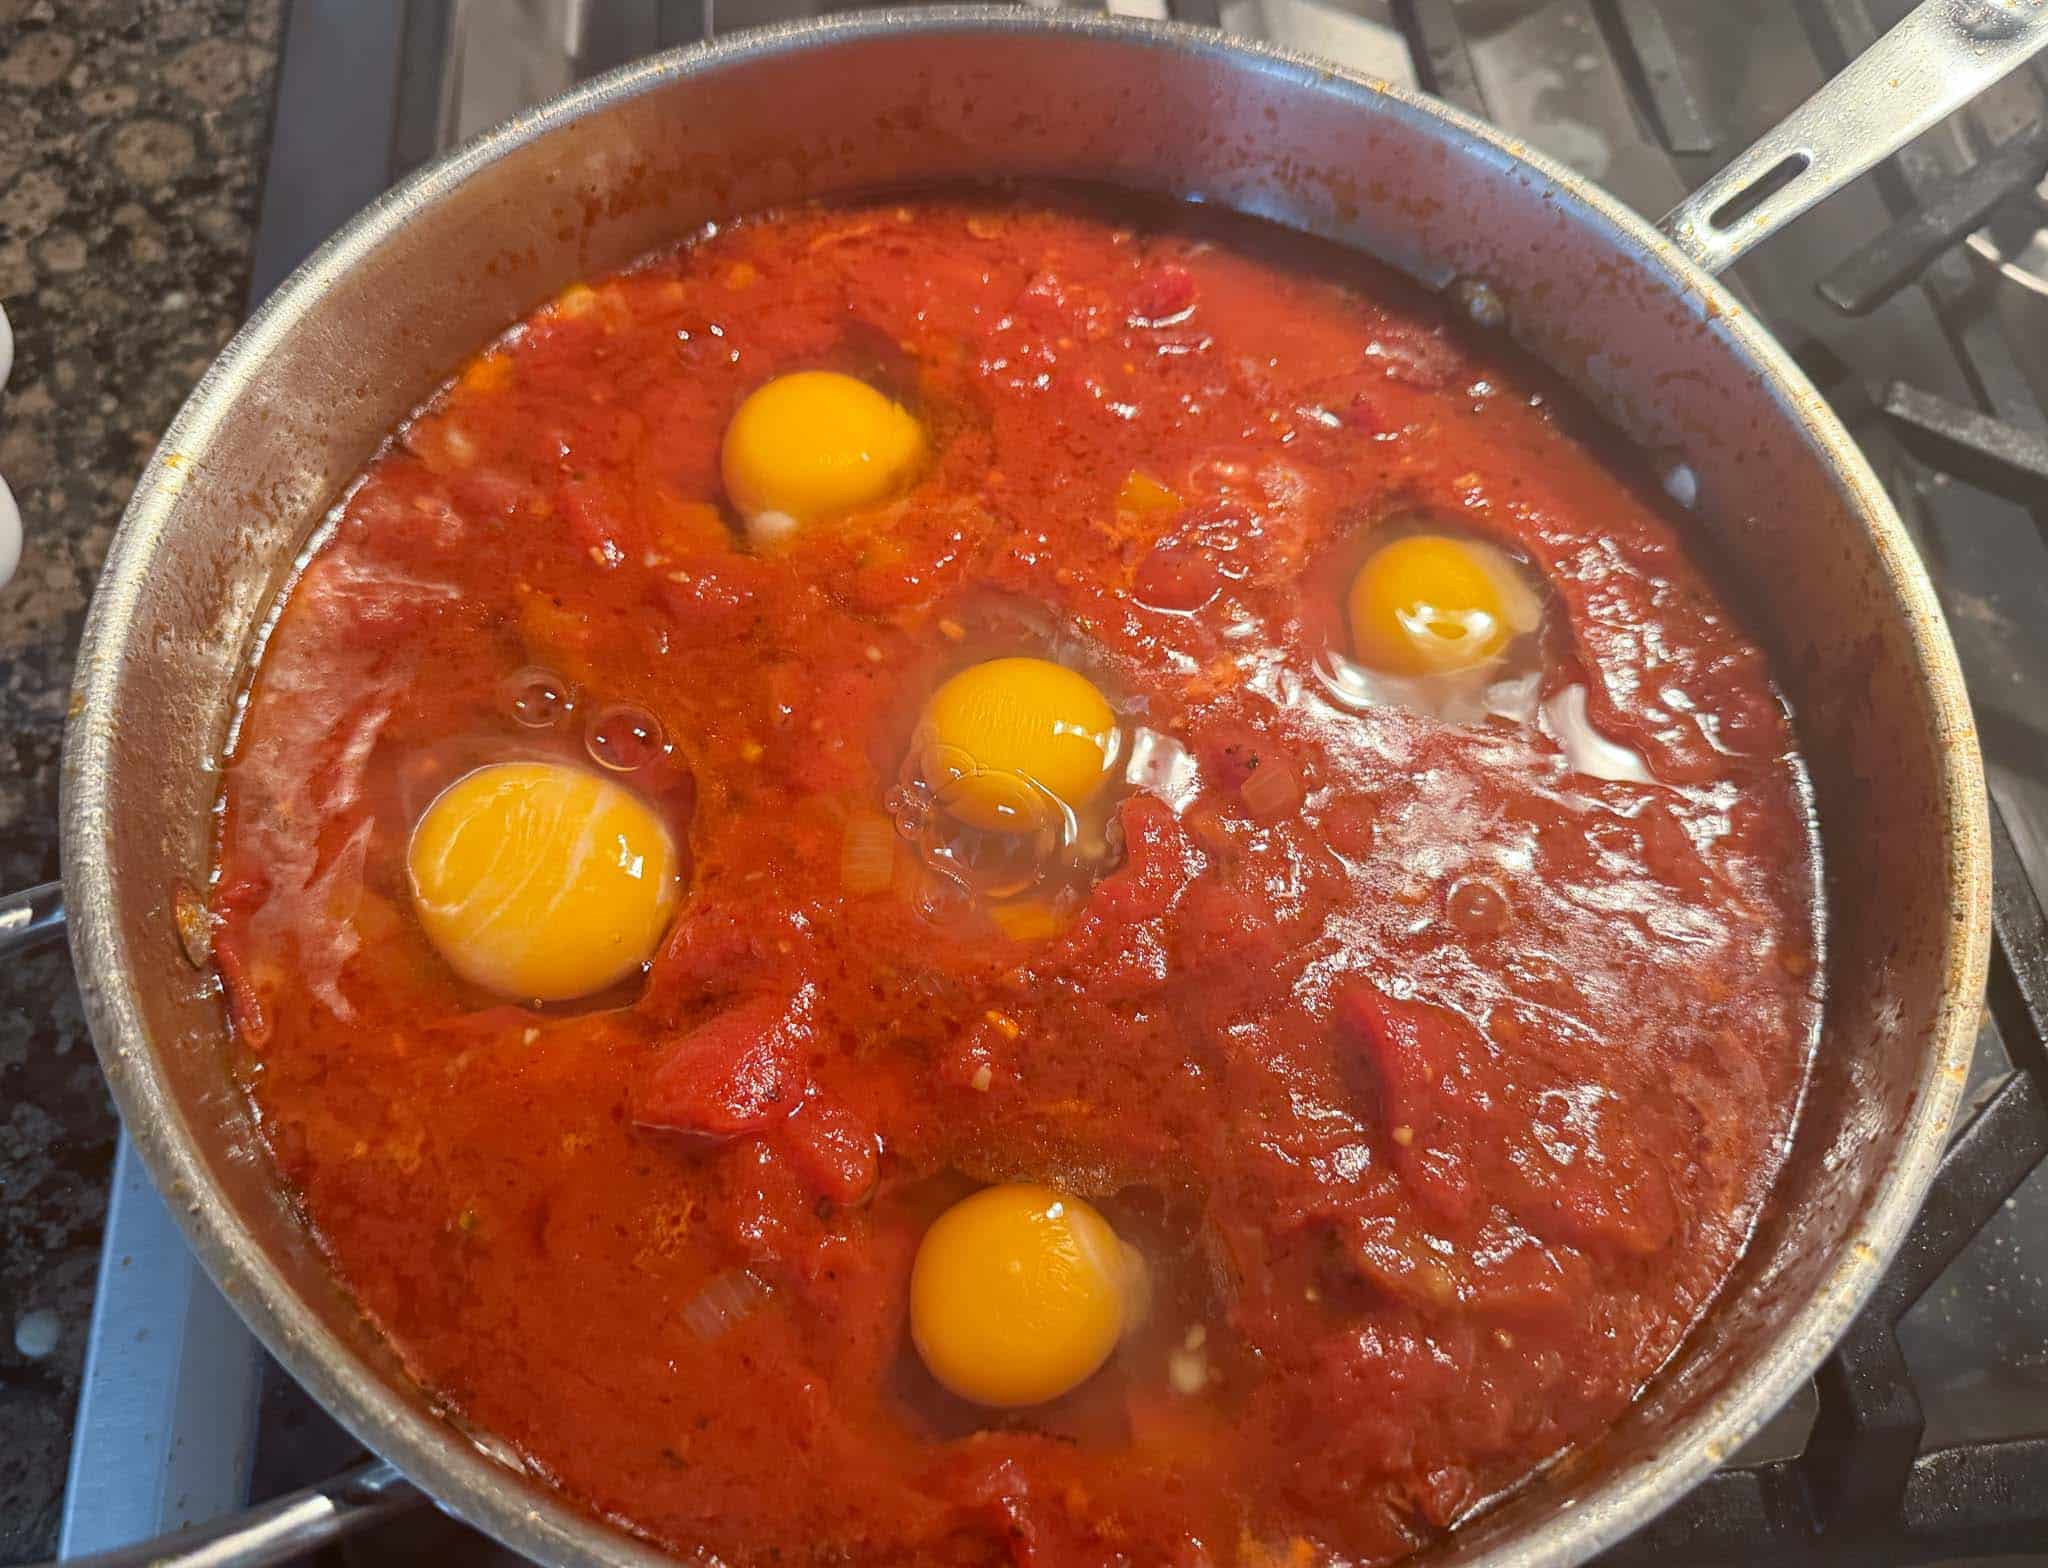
(1942, 55)
(275, 1532)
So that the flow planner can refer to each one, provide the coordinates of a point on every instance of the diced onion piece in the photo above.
(867, 855)
(457, 446)
(1273, 789)
(1187, 1371)
(727, 1300)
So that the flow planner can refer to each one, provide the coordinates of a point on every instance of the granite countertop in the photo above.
(132, 136)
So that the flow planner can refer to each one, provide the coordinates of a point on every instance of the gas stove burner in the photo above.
(2015, 241)
(2011, 249)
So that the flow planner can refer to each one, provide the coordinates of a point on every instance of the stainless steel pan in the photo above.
(1628, 312)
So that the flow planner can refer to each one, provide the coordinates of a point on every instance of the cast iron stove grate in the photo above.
(1864, 1491)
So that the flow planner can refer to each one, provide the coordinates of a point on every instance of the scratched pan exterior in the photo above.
(378, 317)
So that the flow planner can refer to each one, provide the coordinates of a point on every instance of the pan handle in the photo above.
(1943, 54)
(275, 1532)
(30, 918)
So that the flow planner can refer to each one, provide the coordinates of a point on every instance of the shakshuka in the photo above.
(1012, 877)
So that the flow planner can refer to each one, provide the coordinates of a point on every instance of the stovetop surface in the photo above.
(132, 136)
(1645, 97)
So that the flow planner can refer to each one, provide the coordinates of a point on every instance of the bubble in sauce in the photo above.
(1476, 907)
(984, 862)
(623, 737)
(537, 697)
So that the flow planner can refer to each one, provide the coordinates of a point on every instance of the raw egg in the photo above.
(1008, 744)
(1020, 1293)
(1567, 722)
(1429, 604)
(813, 443)
(540, 880)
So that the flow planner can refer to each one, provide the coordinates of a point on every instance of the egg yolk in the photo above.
(817, 442)
(1430, 605)
(539, 880)
(1006, 744)
(1019, 1294)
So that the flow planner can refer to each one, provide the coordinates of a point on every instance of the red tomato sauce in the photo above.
(1440, 1092)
